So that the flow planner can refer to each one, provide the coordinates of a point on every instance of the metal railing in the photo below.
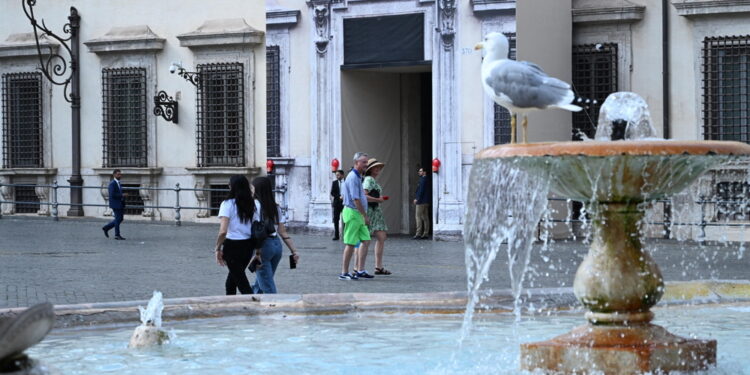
(54, 204)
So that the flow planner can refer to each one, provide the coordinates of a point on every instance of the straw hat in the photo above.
(372, 163)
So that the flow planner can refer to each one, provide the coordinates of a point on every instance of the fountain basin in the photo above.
(619, 171)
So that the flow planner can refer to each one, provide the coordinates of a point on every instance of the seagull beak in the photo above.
(479, 46)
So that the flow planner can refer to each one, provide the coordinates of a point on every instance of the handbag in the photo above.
(260, 230)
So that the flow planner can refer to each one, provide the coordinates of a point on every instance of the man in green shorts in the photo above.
(354, 214)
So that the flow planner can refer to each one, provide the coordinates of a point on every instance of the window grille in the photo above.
(218, 194)
(502, 115)
(594, 77)
(124, 117)
(22, 120)
(733, 201)
(726, 86)
(28, 201)
(221, 115)
(273, 102)
(133, 200)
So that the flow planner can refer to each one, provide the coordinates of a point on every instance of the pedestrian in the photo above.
(233, 244)
(422, 202)
(337, 202)
(117, 204)
(377, 226)
(354, 214)
(271, 251)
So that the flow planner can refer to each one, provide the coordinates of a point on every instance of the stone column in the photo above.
(447, 187)
(322, 139)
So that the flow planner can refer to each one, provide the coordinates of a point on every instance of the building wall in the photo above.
(172, 147)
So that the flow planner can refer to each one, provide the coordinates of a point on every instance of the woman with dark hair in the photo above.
(233, 245)
(271, 250)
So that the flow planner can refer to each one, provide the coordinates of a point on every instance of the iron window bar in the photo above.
(220, 131)
(124, 117)
(502, 116)
(273, 102)
(594, 78)
(726, 87)
(22, 120)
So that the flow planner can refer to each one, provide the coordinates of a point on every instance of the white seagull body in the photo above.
(520, 86)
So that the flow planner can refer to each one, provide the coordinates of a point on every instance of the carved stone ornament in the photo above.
(22, 332)
(447, 15)
(322, 14)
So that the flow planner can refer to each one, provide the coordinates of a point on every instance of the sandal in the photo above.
(382, 271)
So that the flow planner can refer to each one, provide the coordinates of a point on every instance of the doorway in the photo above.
(387, 113)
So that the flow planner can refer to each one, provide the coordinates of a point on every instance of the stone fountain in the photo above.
(618, 282)
(20, 333)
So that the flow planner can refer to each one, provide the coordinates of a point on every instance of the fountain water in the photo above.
(617, 281)
(150, 333)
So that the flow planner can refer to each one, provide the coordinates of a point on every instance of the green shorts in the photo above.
(355, 230)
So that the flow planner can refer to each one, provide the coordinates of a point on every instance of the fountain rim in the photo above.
(615, 148)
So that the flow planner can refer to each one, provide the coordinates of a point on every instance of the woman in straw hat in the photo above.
(378, 227)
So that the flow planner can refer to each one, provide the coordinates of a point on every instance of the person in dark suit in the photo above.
(117, 204)
(337, 202)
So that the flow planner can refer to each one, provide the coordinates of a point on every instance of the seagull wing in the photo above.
(527, 86)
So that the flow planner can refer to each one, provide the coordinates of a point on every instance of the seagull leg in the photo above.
(513, 128)
(523, 124)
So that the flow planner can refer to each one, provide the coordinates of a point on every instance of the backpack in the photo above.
(261, 230)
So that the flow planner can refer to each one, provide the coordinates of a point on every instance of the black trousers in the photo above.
(336, 219)
(237, 254)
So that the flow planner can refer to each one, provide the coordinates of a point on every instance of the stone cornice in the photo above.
(23, 45)
(222, 32)
(251, 171)
(126, 39)
(282, 17)
(690, 8)
(493, 6)
(622, 11)
(28, 171)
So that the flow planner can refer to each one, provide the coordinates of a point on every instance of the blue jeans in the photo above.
(118, 213)
(271, 254)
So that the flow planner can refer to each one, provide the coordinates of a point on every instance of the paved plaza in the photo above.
(70, 261)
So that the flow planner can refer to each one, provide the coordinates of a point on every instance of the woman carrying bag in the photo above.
(233, 244)
(271, 250)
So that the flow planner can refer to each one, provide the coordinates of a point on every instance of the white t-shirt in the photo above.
(237, 230)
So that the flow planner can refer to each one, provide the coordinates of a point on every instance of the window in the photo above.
(133, 200)
(27, 200)
(502, 115)
(726, 83)
(124, 117)
(594, 78)
(273, 102)
(217, 195)
(221, 115)
(732, 197)
(22, 120)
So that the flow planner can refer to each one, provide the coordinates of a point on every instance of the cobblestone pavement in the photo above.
(70, 261)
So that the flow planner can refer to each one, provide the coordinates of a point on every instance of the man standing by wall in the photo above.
(337, 202)
(354, 214)
(117, 204)
(422, 201)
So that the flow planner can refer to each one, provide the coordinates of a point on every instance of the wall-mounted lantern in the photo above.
(269, 166)
(165, 106)
(435, 165)
(192, 77)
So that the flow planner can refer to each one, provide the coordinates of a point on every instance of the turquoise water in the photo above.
(359, 344)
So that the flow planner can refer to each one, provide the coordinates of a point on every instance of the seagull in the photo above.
(520, 86)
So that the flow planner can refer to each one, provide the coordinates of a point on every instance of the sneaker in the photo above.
(354, 275)
(345, 276)
(363, 274)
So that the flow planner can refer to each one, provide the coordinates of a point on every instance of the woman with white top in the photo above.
(271, 250)
(233, 245)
